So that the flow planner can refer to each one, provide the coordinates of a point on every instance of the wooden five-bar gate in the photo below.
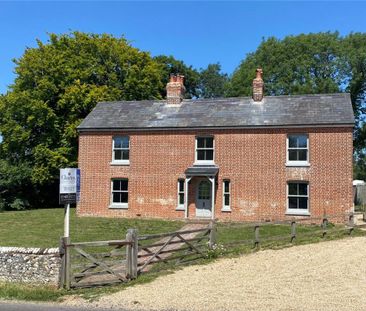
(88, 264)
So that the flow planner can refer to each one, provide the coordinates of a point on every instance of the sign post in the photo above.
(67, 220)
(69, 193)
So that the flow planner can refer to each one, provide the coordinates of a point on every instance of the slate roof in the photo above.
(239, 112)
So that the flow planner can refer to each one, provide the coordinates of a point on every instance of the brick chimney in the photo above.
(258, 86)
(175, 89)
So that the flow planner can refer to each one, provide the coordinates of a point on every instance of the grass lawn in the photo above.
(360, 208)
(44, 227)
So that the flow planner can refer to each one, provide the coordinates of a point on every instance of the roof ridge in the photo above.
(222, 99)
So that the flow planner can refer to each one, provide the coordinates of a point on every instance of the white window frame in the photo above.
(119, 205)
(121, 162)
(295, 162)
(180, 207)
(226, 208)
(204, 162)
(299, 212)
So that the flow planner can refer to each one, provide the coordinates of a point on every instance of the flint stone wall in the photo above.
(30, 265)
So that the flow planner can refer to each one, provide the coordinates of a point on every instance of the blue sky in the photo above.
(196, 32)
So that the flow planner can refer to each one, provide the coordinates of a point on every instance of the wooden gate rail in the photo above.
(176, 243)
(172, 242)
(168, 234)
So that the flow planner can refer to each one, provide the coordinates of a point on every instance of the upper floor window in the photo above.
(121, 149)
(119, 193)
(204, 150)
(298, 198)
(297, 149)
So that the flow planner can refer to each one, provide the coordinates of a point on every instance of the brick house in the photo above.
(237, 159)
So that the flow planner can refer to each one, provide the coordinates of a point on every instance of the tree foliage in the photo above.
(57, 85)
(354, 50)
(13, 179)
(359, 168)
(213, 82)
(303, 64)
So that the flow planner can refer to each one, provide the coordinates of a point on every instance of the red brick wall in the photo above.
(253, 160)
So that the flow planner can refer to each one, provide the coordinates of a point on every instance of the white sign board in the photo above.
(69, 185)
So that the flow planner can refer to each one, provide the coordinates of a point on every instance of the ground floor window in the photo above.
(180, 194)
(226, 195)
(119, 195)
(298, 197)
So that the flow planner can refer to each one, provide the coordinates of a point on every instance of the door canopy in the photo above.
(202, 170)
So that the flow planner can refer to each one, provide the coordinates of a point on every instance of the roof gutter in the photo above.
(156, 129)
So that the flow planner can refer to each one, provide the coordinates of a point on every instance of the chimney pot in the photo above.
(173, 77)
(258, 86)
(175, 89)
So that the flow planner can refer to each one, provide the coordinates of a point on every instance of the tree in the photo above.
(354, 51)
(303, 64)
(309, 64)
(57, 84)
(169, 65)
(212, 82)
(359, 168)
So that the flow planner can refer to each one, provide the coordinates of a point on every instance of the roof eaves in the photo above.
(146, 129)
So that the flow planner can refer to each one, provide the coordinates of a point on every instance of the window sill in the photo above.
(226, 209)
(180, 208)
(297, 213)
(204, 163)
(118, 206)
(117, 163)
(297, 164)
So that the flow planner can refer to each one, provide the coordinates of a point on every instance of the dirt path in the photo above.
(323, 276)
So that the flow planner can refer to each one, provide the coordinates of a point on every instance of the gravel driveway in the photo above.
(323, 276)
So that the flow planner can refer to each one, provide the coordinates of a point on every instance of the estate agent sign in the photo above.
(69, 185)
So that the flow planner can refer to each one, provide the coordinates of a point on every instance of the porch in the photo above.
(200, 191)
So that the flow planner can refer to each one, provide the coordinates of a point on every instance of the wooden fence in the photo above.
(87, 264)
(97, 263)
(322, 225)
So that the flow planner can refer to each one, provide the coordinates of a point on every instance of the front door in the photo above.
(203, 202)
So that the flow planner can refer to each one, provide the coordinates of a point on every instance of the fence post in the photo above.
(351, 222)
(256, 235)
(61, 277)
(212, 240)
(131, 253)
(324, 225)
(67, 280)
(293, 231)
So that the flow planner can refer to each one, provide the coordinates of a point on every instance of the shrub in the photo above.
(19, 204)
